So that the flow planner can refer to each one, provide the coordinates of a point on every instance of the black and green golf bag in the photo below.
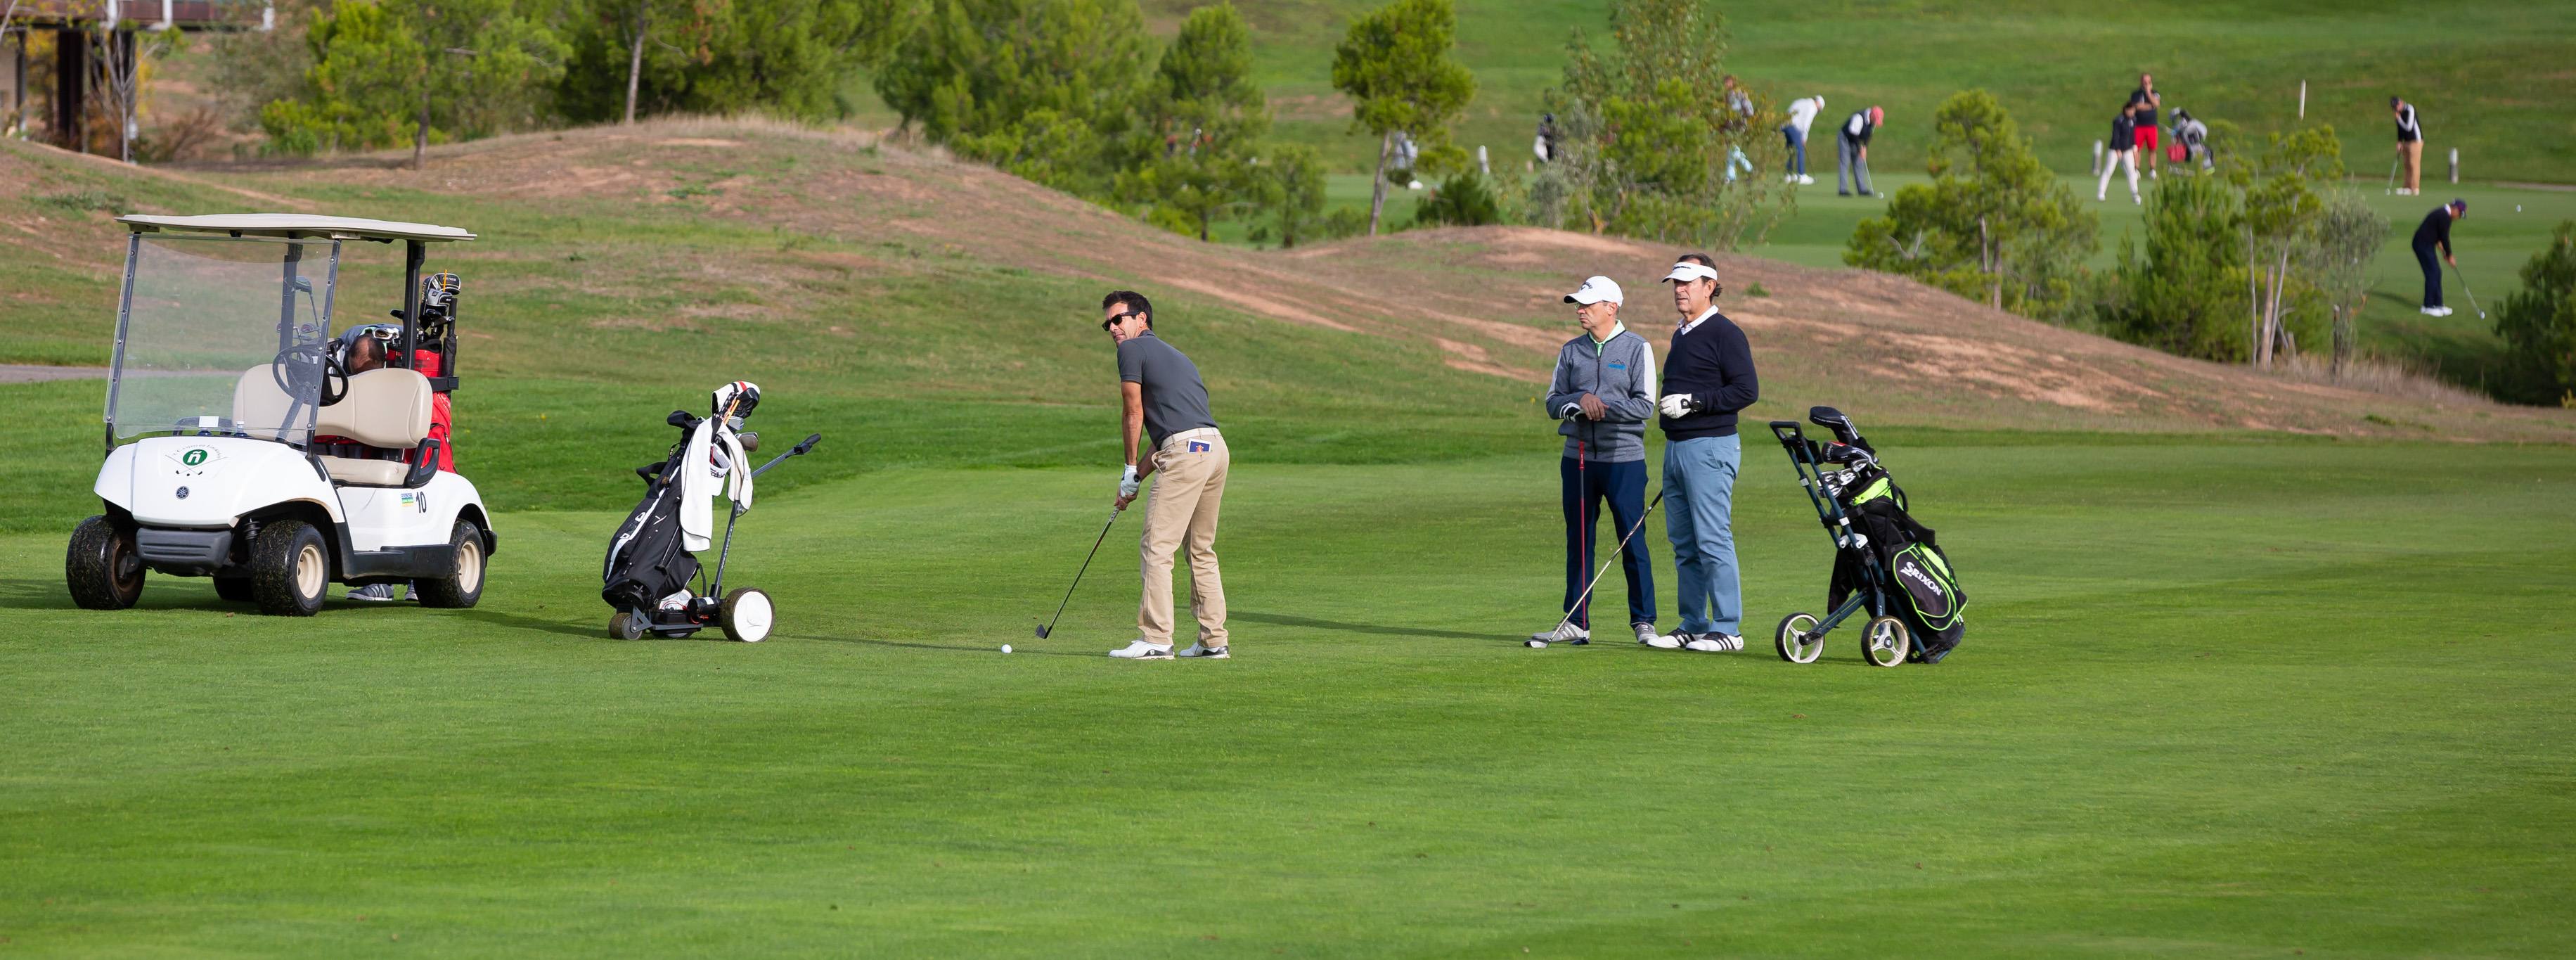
(1924, 590)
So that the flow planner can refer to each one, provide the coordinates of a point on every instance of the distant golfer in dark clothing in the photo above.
(1604, 391)
(2410, 144)
(1708, 376)
(1851, 149)
(2146, 99)
(2123, 149)
(2435, 234)
(1167, 403)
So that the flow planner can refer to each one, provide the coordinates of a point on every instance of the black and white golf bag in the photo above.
(645, 560)
(651, 560)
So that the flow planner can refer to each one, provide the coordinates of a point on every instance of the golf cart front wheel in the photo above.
(625, 626)
(747, 615)
(1884, 642)
(102, 566)
(290, 567)
(462, 588)
(1798, 639)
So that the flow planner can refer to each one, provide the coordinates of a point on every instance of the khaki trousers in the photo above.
(1189, 486)
(2414, 153)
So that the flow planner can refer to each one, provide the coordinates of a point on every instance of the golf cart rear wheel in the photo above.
(102, 567)
(1798, 640)
(625, 626)
(290, 568)
(1884, 642)
(747, 615)
(462, 588)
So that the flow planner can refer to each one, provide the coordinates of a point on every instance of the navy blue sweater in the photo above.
(1714, 364)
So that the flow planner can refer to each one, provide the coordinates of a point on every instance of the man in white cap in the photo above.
(1708, 376)
(1604, 391)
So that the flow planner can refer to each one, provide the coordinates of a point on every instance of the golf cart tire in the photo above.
(290, 569)
(747, 615)
(100, 550)
(463, 587)
(1899, 643)
(234, 588)
(625, 626)
(1797, 642)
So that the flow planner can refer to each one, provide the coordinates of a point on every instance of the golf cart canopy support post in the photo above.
(412, 255)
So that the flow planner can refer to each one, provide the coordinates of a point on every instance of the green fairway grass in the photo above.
(2216, 698)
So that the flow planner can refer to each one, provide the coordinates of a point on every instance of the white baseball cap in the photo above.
(1686, 271)
(1595, 290)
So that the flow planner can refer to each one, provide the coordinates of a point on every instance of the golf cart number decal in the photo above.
(195, 461)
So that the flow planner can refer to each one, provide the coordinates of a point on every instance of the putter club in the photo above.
(1605, 568)
(1077, 574)
(2464, 288)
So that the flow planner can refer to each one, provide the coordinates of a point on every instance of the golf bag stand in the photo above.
(1885, 564)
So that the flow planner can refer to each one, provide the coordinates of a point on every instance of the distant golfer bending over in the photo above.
(1708, 376)
(2434, 234)
(1604, 390)
(1166, 401)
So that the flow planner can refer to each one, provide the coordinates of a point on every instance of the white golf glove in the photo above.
(1571, 411)
(1678, 405)
(1128, 484)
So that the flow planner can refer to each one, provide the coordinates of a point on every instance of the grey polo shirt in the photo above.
(1175, 399)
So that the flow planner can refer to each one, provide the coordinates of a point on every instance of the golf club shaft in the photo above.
(1581, 598)
(1086, 567)
(2464, 288)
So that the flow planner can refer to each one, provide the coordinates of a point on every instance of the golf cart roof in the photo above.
(293, 225)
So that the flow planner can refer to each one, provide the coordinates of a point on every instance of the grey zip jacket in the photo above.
(1622, 373)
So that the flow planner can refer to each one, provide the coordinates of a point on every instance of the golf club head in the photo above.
(1535, 644)
(1042, 631)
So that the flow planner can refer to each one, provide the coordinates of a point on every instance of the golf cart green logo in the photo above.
(194, 461)
(194, 457)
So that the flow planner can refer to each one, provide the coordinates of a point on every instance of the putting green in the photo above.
(2218, 697)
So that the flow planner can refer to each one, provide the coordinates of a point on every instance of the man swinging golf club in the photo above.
(1164, 399)
(2434, 236)
(1708, 376)
(1604, 391)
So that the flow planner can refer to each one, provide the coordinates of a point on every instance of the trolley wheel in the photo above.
(1884, 642)
(625, 626)
(1798, 639)
(747, 615)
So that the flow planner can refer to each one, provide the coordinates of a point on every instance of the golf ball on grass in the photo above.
(1006, 648)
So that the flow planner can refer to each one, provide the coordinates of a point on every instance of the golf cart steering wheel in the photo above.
(293, 366)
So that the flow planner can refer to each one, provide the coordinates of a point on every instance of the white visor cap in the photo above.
(1595, 290)
(1686, 271)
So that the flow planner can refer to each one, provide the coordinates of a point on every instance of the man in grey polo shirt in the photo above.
(1164, 400)
(1604, 391)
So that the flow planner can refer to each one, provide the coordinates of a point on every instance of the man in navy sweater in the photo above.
(2434, 234)
(1708, 376)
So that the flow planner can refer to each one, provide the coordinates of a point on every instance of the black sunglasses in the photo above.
(1115, 317)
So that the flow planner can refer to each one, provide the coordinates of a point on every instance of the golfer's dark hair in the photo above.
(2394, 101)
(1132, 301)
(1717, 288)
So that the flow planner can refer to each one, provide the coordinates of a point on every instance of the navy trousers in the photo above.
(1587, 485)
(2431, 262)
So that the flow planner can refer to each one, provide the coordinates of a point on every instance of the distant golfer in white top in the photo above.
(1802, 116)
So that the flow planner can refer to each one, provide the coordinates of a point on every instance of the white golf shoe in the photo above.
(1565, 633)
(1661, 641)
(375, 593)
(1140, 650)
(1715, 643)
(1201, 649)
(1806, 181)
(1645, 632)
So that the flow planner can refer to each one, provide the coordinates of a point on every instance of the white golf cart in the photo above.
(256, 458)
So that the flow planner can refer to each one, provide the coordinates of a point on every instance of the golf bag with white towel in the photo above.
(651, 575)
(1886, 564)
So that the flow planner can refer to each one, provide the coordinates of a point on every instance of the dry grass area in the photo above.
(1486, 298)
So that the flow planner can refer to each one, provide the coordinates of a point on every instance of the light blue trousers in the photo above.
(1699, 509)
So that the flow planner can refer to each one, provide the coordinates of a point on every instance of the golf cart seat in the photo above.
(261, 407)
(384, 408)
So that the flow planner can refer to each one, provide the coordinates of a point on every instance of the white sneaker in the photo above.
(1715, 643)
(2101, 198)
(374, 593)
(1645, 631)
(1565, 633)
(1140, 650)
(1660, 642)
(1806, 181)
(1203, 650)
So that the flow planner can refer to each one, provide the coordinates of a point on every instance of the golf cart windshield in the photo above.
(222, 336)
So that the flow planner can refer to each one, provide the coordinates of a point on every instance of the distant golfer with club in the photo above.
(1604, 392)
(1164, 400)
(2434, 234)
(2410, 145)
(1708, 376)
(1851, 149)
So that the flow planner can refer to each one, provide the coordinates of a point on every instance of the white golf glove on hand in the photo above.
(1679, 405)
(1571, 411)
(1128, 484)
